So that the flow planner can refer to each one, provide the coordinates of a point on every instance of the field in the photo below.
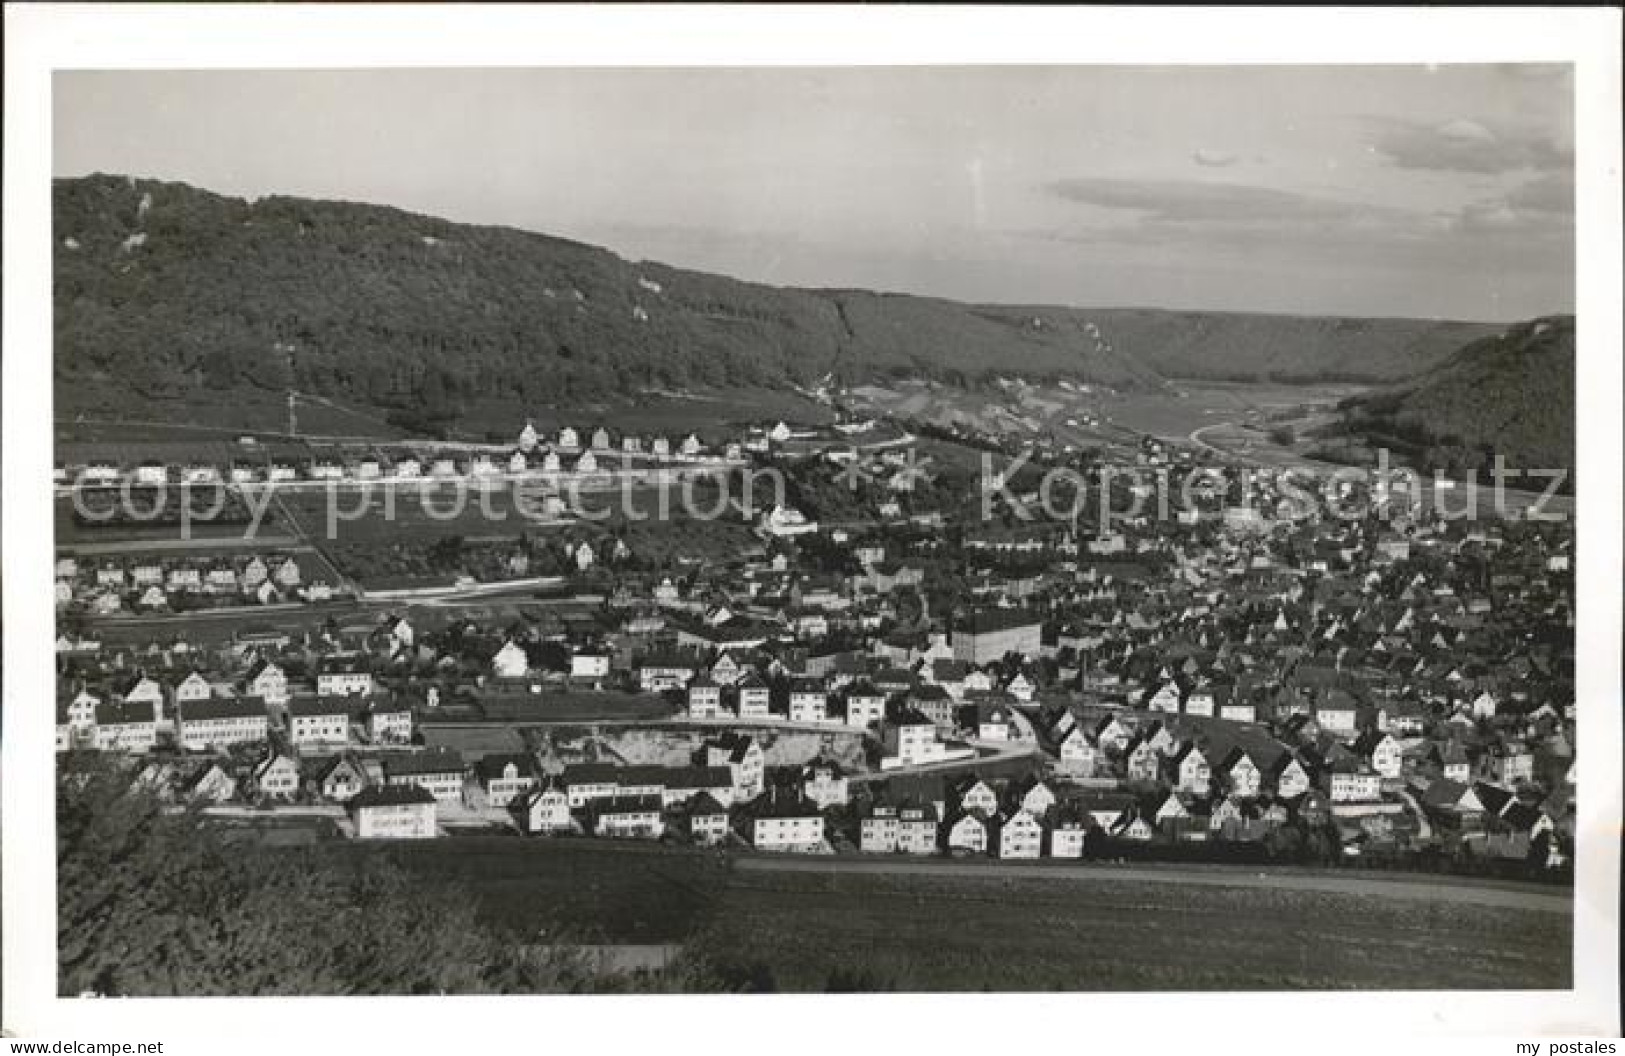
(103, 412)
(570, 887)
(1116, 416)
(99, 411)
(928, 933)
(800, 931)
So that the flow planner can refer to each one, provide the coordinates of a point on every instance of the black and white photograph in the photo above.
(717, 526)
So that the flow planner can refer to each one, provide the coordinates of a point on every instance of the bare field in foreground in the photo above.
(805, 930)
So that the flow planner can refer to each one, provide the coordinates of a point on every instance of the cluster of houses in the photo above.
(108, 586)
(569, 451)
(1402, 681)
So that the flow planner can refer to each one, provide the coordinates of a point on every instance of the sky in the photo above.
(1436, 192)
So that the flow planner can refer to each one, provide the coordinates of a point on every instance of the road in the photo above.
(1451, 890)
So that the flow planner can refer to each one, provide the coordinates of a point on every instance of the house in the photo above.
(392, 812)
(1381, 751)
(589, 664)
(1336, 712)
(1453, 763)
(824, 783)
(504, 777)
(544, 809)
(1291, 778)
(1191, 770)
(707, 821)
(338, 778)
(865, 705)
(782, 821)
(125, 726)
(193, 687)
(704, 698)
(995, 722)
(917, 828)
(1068, 835)
(784, 521)
(209, 784)
(209, 725)
(1079, 755)
(439, 773)
(808, 701)
(753, 697)
(318, 720)
(743, 757)
(1018, 835)
(658, 674)
(343, 675)
(389, 722)
(935, 703)
(1241, 776)
(966, 834)
(1035, 795)
(1141, 761)
(626, 818)
(267, 680)
(511, 661)
(975, 794)
(277, 777)
(1165, 698)
(1353, 781)
(878, 829)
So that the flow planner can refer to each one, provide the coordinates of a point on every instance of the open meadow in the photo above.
(809, 930)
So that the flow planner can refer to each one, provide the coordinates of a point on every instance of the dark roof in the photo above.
(490, 767)
(389, 796)
(438, 761)
(324, 705)
(625, 805)
(222, 708)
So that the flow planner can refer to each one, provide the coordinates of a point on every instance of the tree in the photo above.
(157, 904)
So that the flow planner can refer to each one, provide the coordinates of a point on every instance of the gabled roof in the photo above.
(389, 796)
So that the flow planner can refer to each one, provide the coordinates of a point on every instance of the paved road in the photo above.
(1433, 890)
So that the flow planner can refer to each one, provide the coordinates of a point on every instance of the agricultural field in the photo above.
(715, 415)
(910, 932)
(72, 532)
(807, 930)
(100, 411)
(1027, 409)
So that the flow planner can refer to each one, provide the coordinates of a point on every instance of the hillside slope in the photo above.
(1511, 393)
(173, 292)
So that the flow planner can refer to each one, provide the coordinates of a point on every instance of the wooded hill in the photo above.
(1510, 393)
(173, 292)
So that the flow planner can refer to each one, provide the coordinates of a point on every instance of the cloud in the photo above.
(1539, 208)
(1214, 159)
(1203, 202)
(1547, 194)
(1466, 146)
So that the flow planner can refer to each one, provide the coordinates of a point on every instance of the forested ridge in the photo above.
(176, 292)
(1510, 393)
